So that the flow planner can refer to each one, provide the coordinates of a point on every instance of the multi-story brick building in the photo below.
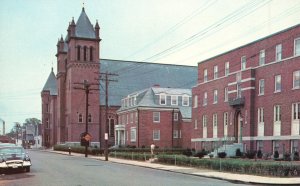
(155, 115)
(251, 96)
(63, 106)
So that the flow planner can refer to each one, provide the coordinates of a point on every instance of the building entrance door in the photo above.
(238, 123)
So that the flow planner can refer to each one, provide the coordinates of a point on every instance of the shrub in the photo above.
(296, 156)
(276, 154)
(187, 152)
(287, 156)
(250, 154)
(238, 153)
(222, 154)
(201, 154)
(259, 154)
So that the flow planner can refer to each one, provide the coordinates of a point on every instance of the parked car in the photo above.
(7, 144)
(14, 157)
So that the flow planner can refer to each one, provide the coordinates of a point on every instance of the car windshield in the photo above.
(11, 150)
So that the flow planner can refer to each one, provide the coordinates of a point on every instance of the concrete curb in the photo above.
(230, 177)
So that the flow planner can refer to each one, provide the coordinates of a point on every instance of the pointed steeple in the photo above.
(84, 28)
(50, 84)
(97, 28)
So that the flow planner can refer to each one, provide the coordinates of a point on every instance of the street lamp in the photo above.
(17, 128)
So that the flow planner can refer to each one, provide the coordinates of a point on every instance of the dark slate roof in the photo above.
(51, 84)
(147, 98)
(136, 76)
(84, 28)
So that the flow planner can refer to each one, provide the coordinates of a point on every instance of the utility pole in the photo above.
(86, 88)
(106, 80)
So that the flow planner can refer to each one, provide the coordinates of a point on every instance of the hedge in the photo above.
(78, 149)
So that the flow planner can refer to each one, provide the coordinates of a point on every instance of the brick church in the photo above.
(78, 60)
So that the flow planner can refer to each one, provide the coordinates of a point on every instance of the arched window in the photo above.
(80, 118)
(84, 53)
(91, 53)
(111, 126)
(78, 53)
(90, 118)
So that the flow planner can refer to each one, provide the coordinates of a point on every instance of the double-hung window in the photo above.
(277, 113)
(278, 52)
(296, 111)
(226, 68)
(226, 94)
(205, 75)
(174, 100)
(163, 99)
(156, 134)
(297, 47)
(185, 100)
(262, 57)
(296, 79)
(261, 87)
(243, 63)
(205, 99)
(278, 83)
(215, 72)
(156, 117)
(215, 96)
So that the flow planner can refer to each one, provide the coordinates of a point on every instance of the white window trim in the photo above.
(215, 97)
(204, 121)
(216, 73)
(205, 99)
(275, 85)
(205, 78)
(225, 118)
(161, 96)
(175, 116)
(226, 94)
(133, 129)
(227, 68)
(259, 87)
(293, 111)
(175, 134)
(295, 46)
(277, 51)
(187, 97)
(196, 124)
(242, 64)
(277, 115)
(294, 78)
(215, 120)
(154, 117)
(157, 139)
(262, 57)
(195, 101)
(176, 98)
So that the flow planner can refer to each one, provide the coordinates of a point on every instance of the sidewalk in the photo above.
(244, 178)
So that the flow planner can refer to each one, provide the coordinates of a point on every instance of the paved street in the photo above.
(56, 169)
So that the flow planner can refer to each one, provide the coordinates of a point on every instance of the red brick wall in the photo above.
(250, 81)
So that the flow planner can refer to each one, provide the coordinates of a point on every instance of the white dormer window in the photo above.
(163, 99)
(174, 100)
(185, 100)
(134, 100)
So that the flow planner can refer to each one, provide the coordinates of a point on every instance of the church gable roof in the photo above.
(50, 84)
(136, 76)
(84, 28)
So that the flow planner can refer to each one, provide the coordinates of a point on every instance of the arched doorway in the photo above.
(238, 124)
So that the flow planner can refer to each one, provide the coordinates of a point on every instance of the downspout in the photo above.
(172, 128)
(100, 144)
(138, 126)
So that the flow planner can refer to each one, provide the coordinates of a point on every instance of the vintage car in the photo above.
(14, 157)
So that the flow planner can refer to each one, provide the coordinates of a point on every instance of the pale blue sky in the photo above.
(164, 31)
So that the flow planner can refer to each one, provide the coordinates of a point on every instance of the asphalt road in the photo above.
(60, 170)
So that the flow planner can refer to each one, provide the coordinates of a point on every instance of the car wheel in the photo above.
(27, 169)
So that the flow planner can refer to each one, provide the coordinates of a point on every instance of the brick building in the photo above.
(250, 96)
(63, 106)
(155, 115)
